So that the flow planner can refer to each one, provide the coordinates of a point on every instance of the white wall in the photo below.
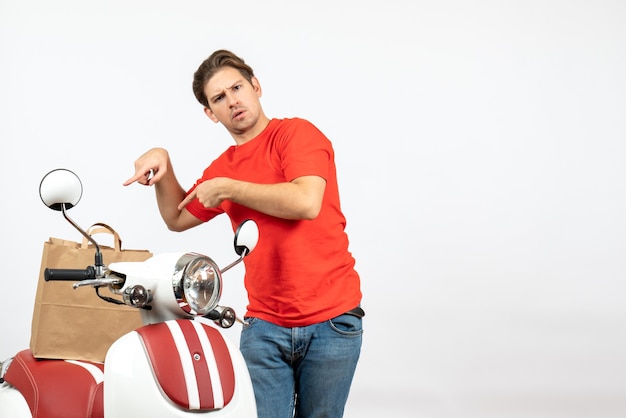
(480, 148)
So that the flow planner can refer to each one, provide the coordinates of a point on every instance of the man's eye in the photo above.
(218, 98)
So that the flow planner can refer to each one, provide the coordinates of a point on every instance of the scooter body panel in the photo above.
(132, 388)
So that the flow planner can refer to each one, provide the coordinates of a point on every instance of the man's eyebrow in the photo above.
(227, 88)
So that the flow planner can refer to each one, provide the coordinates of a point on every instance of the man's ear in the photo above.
(210, 114)
(257, 87)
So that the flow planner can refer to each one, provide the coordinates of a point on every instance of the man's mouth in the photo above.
(238, 113)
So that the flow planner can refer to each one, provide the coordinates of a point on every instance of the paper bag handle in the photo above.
(99, 228)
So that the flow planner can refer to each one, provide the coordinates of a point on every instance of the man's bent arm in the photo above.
(299, 199)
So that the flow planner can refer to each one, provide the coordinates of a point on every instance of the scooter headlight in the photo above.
(197, 284)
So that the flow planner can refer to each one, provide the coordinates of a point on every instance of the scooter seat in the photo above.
(191, 362)
(58, 388)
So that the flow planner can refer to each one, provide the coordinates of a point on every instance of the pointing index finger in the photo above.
(191, 196)
(147, 176)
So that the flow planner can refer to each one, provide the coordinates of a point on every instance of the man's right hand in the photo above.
(150, 167)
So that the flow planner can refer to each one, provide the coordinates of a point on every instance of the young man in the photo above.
(304, 329)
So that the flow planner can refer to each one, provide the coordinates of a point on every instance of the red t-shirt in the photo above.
(301, 271)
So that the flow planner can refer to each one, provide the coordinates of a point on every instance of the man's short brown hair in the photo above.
(218, 60)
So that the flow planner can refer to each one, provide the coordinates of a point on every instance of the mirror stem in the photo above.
(234, 263)
(90, 239)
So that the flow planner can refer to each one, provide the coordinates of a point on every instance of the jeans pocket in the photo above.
(347, 325)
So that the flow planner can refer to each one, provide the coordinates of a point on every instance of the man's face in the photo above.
(234, 102)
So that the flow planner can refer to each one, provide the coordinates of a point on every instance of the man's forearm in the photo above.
(299, 199)
(169, 193)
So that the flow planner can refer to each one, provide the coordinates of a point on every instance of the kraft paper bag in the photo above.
(73, 323)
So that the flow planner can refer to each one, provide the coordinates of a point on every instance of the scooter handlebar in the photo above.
(71, 275)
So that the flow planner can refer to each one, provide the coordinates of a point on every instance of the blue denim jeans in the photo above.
(302, 372)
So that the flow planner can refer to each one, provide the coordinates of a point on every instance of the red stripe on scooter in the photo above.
(200, 366)
(165, 361)
(224, 362)
(168, 367)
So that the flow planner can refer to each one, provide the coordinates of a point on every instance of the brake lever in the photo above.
(98, 282)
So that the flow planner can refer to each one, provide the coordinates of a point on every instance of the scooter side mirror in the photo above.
(246, 237)
(60, 189)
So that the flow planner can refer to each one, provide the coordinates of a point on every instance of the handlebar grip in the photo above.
(71, 275)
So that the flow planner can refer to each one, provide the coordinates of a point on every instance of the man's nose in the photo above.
(232, 99)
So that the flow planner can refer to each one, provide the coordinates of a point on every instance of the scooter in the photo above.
(175, 365)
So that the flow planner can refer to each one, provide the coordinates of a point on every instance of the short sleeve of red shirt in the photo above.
(304, 150)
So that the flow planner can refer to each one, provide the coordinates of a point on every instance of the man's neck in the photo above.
(256, 130)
